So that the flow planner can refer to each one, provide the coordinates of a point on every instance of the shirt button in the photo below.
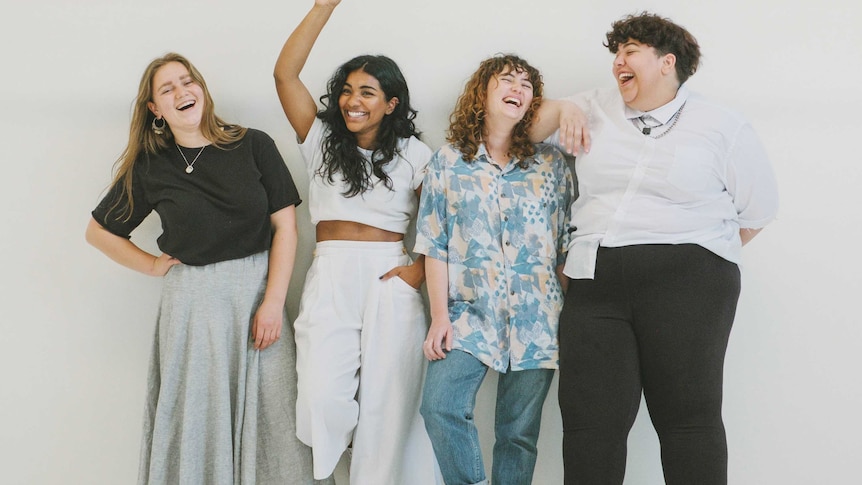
(512, 293)
(508, 243)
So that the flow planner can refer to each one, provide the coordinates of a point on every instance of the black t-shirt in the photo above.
(218, 212)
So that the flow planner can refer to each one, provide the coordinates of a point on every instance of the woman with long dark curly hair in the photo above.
(361, 312)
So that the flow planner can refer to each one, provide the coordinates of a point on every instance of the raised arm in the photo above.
(296, 100)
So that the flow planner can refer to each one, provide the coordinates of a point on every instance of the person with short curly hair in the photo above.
(672, 188)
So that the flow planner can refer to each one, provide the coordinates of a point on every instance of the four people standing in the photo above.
(673, 187)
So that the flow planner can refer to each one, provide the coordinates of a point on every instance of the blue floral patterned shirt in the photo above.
(502, 232)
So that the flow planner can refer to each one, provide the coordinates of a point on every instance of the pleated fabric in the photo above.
(217, 410)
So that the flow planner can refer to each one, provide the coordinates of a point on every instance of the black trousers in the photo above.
(656, 319)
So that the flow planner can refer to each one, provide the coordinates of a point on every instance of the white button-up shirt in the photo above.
(700, 183)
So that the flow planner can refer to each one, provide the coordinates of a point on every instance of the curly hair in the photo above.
(468, 119)
(142, 139)
(340, 150)
(660, 33)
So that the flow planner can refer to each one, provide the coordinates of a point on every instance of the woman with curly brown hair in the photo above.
(491, 223)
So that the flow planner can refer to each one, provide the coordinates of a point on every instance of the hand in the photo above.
(162, 263)
(574, 130)
(266, 328)
(439, 339)
(413, 275)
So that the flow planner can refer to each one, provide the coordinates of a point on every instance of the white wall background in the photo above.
(75, 328)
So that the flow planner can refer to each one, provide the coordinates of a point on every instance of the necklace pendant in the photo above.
(190, 169)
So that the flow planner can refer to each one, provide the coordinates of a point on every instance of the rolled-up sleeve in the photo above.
(751, 180)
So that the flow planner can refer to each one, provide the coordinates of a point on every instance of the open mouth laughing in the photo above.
(513, 101)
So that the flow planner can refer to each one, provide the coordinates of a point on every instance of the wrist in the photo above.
(438, 316)
(271, 300)
(153, 265)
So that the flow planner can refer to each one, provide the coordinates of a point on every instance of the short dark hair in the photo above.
(660, 33)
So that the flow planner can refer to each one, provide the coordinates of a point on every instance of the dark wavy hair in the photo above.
(660, 33)
(468, 119)
(340, 151)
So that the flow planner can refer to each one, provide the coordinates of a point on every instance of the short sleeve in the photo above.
(418, 156)
(751, 181)
(565, 191)
(310, 148)
(275, 177)
(432, 235)
(112, 214)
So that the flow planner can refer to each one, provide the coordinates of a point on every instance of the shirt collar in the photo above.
(482, 155)
(663, 113)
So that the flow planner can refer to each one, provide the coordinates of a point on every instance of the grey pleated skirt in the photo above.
(218, 411)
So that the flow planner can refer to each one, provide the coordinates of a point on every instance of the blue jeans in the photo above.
(448, 401)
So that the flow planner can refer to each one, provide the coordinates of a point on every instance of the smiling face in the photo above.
(177, 98)
(645, 78)
(509, 95)
(363, 105)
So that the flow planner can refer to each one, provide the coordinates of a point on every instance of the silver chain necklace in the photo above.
(190, 167)
(672, 124)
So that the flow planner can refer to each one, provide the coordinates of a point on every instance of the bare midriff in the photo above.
(354, 231)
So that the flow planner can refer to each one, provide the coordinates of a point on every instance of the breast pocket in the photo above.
(530, 227)
(694, 169)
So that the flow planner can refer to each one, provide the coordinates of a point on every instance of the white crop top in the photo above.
(379, 207)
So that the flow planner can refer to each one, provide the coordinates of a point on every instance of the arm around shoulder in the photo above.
(566, 116)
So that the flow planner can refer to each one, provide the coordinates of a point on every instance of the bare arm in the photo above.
(126, 253)
(296, 100)
(266, 328)
(439, 337)
(569, 118)
(746, 235)
(413, 274)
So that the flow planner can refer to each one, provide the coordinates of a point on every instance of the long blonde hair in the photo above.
(142, 139)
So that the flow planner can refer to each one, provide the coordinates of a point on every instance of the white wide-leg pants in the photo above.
(360, 366)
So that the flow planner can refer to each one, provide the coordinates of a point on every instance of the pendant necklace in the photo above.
(190, 167)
